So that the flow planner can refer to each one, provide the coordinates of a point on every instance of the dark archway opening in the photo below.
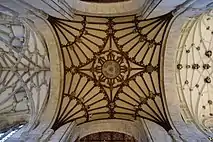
(108, 137)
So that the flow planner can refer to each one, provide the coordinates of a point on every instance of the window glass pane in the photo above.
(10, 133)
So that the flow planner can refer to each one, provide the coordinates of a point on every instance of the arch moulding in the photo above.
(134, 129)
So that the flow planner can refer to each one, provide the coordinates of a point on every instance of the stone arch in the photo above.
(143, 8)
(175, 105)
(40, 120)
(45, 33)
(25, 73)
(134, 129)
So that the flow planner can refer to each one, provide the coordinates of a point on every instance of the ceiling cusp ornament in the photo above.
(194, 71)
(112, 68)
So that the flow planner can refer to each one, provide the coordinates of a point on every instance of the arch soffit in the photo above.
(56, 66)
(127, 127)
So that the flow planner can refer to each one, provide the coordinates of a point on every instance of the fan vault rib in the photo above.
(112, 68)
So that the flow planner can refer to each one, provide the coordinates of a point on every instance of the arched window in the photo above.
(6, 134)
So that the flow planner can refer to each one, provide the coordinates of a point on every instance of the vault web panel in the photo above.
(112, 68)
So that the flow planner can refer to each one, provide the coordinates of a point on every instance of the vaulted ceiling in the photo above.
(113, 65)
(194, 70)
(112, 68)
(24, 71)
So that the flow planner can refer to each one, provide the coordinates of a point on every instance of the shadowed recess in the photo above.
(108, 136)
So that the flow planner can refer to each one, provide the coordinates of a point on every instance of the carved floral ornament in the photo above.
(194, 70)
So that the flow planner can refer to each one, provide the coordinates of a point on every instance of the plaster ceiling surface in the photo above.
(112, 68)
(24, 69)
(194, 69)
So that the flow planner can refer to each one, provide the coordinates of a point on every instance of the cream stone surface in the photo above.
(157, 133)
(111, 8)
(63, 133)
(56, 64)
